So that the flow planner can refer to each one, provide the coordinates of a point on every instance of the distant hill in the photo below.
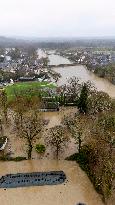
(11, 42)
(57, 42)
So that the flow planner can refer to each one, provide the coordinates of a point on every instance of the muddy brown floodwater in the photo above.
(84, 75)
(17, 146)
(76, 189)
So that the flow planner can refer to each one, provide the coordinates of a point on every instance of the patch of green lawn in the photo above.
(27, 88)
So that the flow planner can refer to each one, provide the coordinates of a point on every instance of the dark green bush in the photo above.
(85, 159)
(40, 148)
(16, 159)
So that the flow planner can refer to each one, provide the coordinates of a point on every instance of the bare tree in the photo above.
(3, 104)
(30, 130)
(77, 126)
(57, 139)
(22, 104)
(19, 106)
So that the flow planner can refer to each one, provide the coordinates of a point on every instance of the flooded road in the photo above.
(77, 189)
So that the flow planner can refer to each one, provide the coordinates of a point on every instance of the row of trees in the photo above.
(93, 129)
(95, 139)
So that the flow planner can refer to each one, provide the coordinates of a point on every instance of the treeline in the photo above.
(56, 43)
(107, 72)
(93, 129)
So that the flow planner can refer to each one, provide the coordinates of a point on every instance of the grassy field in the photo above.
(26, 89)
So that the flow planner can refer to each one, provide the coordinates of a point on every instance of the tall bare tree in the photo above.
(57, 139)
(30, 130)
(3, 104)
(77, 126)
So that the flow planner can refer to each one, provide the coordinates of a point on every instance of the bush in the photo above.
(40, 148)
(87, 160)
(99, 174)
(16, 159)
(84, 158)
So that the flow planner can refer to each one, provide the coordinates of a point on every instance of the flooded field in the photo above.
(17, 146)
(76, 189)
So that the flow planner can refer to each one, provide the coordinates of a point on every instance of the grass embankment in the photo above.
(26, 89)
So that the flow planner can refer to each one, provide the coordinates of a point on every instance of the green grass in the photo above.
(26, 88)
(40, 148)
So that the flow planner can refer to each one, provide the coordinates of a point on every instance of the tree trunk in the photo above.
(79, 142)
(30, 147)
(21, 119)
(57, 152)
(1, 128)
(5, 115)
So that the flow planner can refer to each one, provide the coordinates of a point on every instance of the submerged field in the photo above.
(27, 89)
(77, 188)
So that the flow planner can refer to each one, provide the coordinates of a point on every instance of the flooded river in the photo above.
(82, 73)
(77, 189)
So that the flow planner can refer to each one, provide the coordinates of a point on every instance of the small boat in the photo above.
(32, 179)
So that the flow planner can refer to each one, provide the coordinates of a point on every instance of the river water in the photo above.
(79, 71)
(82, 73)
(56, 60)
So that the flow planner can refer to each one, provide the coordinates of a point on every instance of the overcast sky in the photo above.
(57, 18)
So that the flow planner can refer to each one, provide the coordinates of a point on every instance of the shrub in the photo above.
(15, 159)
(18, 159)
(40, 148)
(84, 158)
